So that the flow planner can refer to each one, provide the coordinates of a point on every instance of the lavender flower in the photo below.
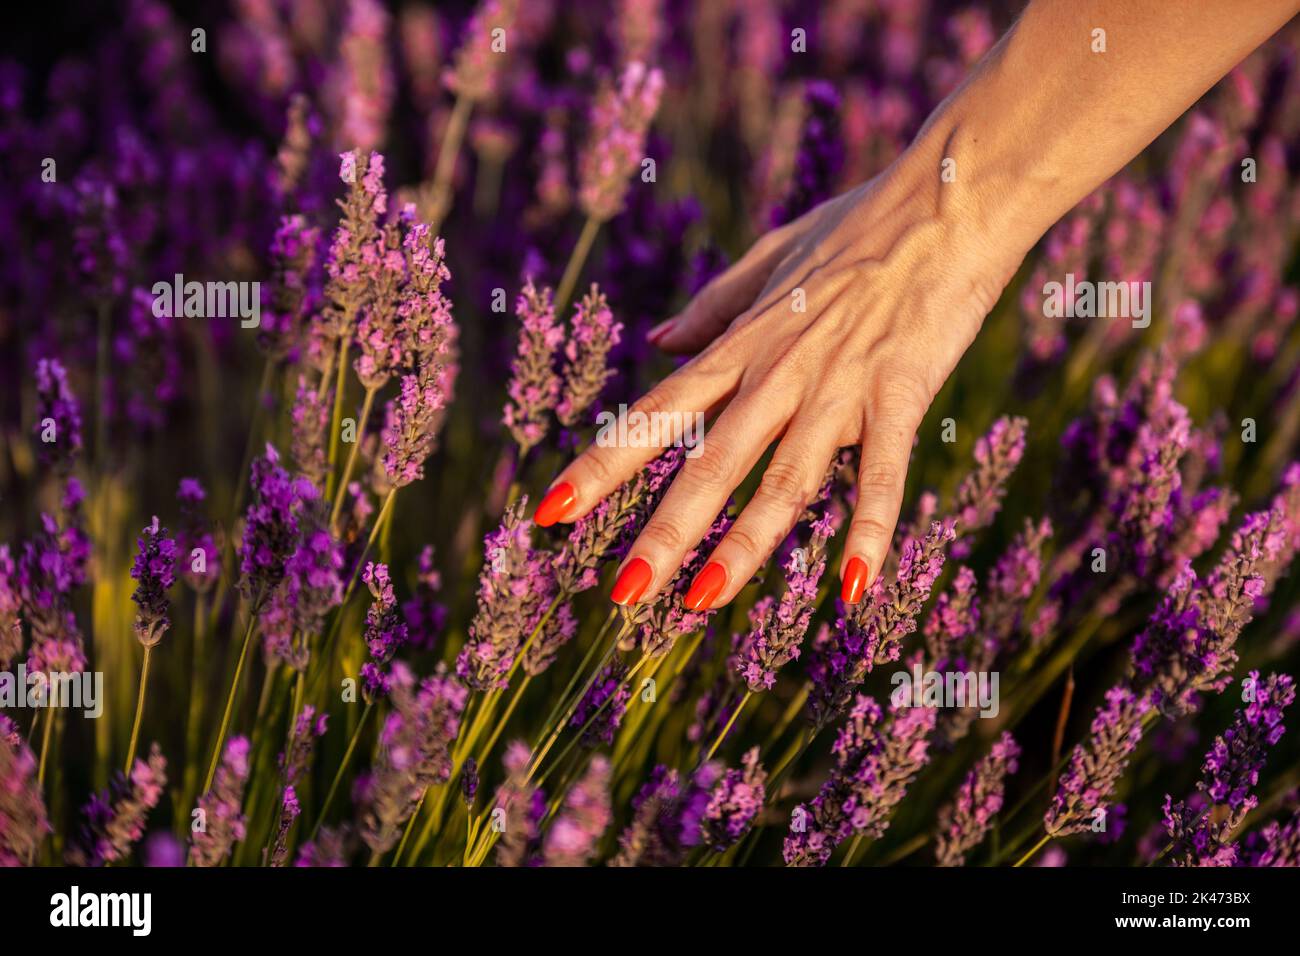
(876, 760)
(534, 385)
(115, 822)
(414, 751)
(352, 255)
(604, 704)
(1281, 844)
(524, 806)
(329, 849)
(428, 337)
(293, 255)
(385, 629)
(979, 497)
(820, 157)
(290, 810)
(512, 596)
(779, 629)
(58, 417)
(1087, 785)
(154, 571)
(478, 64)
(23, 821)
(954, 620)
(608, 530)
(271, 527)
(52, 567)
(871, 632)
(199, 557)
(1203, 836)
(294, 763)
(594, 332)
(469, 782)
(11, 627)
(311, 588)
(734, 803)
(574, 837)
(310, 417)
(424, 614)
(964, 822)
(223, 823)
(667, 817)
(620, 119)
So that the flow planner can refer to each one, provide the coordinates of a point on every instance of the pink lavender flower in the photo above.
(52, 567)
(362, 89)
(1201, 835)
(58, 417)
(290, 810)
(638, 29)
(353, 253)
(778, 629)
(154, 571)
(11, 627)
(311, 588)
(480, 60)
(428, 335)
(964, 822)
(23, 821)
(514, 588)
(331, 848)
(222, 819)
(954, 620)
(115, 821)
(979, 497)
(603, 705)
(310, 417)
(876, 760)
(1087, 785)
(663, 622)
(620, 120)
(594, 332)
(574, 837)
(385, 629)
(734, 803)
(378, 336)
(534, 388)
(556, 631)
(871, 632)
(524, 806)
(1279, 844)
(414, 751)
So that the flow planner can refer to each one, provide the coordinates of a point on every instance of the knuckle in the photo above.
(657, 401)
(879, 479)
(784, 482)
(868, 527)
(713, 468)
(664, 534)
(902, 397)
(747, 541)
(598, 468)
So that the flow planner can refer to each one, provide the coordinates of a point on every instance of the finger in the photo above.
(792, 479)
(886, 447)
(734, 444)
(673, 410)
(726, 296)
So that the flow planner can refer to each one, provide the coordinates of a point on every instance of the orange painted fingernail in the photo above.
(555, 505)
(708, 584)
(632, 582)
(855, 581)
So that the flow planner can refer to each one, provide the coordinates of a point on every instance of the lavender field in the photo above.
(304, 306)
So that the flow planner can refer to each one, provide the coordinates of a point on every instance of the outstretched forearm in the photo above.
(1056, 107)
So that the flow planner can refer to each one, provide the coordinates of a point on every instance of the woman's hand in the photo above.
(841, 327)
(836, 329)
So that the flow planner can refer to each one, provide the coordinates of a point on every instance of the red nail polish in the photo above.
(855, 581)
(708, 584)
(632, 582)
(555, 505)
(659, 331)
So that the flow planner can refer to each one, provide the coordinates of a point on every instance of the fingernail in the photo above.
(659, 331)
(555, 505)
(855, 581)
(632, 582)
(708, 584)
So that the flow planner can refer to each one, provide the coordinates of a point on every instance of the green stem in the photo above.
(727, 729)
(338, 774)
(336, 414)
(139, 710)
(339, 495)
(45, 748)
(1034, 849)
(230, 697)
(576, 262)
